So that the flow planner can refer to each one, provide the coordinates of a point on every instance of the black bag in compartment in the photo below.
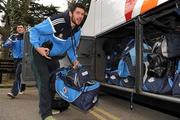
(157, 65)
(160, 75)
(170, 46)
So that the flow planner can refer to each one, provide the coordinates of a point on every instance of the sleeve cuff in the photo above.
(36, 45)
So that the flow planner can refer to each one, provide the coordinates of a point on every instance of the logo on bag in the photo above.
(106, 76)
(95, 99)
(126, 80)
(113, 77)
(151, 80)
(84, 73)
(65, 90)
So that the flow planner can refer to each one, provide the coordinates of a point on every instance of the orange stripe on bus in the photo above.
(148, 4)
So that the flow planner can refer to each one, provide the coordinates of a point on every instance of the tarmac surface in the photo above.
(25, 107)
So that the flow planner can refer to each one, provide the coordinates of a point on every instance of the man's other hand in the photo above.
(75, 64)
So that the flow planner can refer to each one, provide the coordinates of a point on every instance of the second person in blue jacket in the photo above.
(55, 37)
(16, 43)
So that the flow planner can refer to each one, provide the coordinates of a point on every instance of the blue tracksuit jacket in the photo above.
(57, 29)
(16, 43)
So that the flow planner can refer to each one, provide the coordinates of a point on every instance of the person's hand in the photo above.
(2, 45)
(16, 34)
(44, 52)
(75, 64)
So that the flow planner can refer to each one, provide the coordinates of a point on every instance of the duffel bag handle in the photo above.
(78, 77)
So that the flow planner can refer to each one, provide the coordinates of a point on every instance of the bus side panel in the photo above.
(89, 25)
(105, 15)
(112, 14)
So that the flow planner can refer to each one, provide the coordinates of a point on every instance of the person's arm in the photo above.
(9, 42)
(73, 58)
(72, 54)
(43, 28)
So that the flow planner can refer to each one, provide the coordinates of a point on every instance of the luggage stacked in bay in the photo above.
(125, 74)
(163, 69)
(176, 82)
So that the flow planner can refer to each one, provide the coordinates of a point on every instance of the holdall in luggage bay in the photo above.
(84, 97)
(124, 76)
(158, 85)
(176, 84)
(123, 70)
(159, 75)
(114, 78)
(170, 46)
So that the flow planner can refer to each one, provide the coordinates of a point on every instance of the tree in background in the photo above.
(26, 12)
(38, 12)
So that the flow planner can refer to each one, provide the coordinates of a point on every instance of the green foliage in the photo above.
(38, 12)
(26, 12)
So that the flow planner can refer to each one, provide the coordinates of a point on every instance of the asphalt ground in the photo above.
(25, 107)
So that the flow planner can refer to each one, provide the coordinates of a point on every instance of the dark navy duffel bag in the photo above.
(158, 85)
(85, 96)
(176, 84)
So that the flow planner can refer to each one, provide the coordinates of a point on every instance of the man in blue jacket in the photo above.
(52, 39)
(16, 43)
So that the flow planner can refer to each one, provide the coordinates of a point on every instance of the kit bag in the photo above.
(114, 78)
(170, 46)
(157, 65)
(176, 84)
(125, 67)
(125, 74)
(84, 97)
(78, 77)
(160, 73)
(157, 85)
(107, 74)
(122, 77)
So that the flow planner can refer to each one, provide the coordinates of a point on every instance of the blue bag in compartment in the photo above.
(125, 74)
(157, 85)
(176, 84)
(127, 82)
(84, 97)
(114, 78)
(107, 75)
(126, 67)
(123, 70)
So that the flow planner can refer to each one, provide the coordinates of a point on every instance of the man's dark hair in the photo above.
(19, 24)
(77, 5)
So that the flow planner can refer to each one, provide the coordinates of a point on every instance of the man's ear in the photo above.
(70, 13)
